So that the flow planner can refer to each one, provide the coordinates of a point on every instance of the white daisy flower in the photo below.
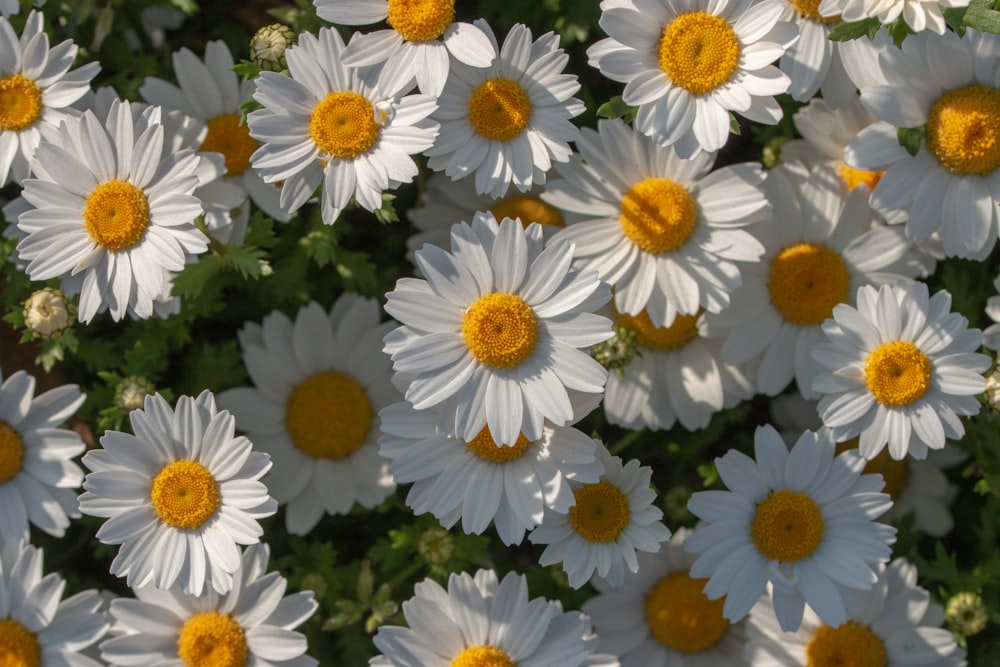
(36, 91)
(895, 625)
(899, 369)
(991, 334)
(179, 495)
(609, 522)
(319, 383)
(663, 231)
(919, 15)
(496, 334)
(507, 122)
(326, 124)
(803, 521)
(687, 65)
(252, 624)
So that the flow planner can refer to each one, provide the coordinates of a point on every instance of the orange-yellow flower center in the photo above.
(500, 330)
(683, 329)
(116, 214)
(963, 130)
(788, 526)
(20, 102)
(852, 177)
(527, 209)
(499, 109)
(810, 9)
(699, 51)
(228, 136)
(212, 639)
(11, 452)
(482, 656)
(601, 512)
(895, 473)
(328, 415)
(421, 20)
(681, 617)
(343, 125)
(658, 215)
(806, 281)
(849, 645)
(185, 495)
(486, 448)
(897, 373)
(18, 646)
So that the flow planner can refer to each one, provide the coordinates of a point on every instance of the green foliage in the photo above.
(848, 30)
(910, 138)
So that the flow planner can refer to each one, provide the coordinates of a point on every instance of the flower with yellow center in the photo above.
(227, 135)
(500, 330)
(483, 656)
(116, 215)
(328, 415)
(681, 617)
(343, 125)
(658, 215)
(11, 452)
(848, 644)
(499, 109)
(18, 646)
(527, 209)
(211, 639)
(184, 494)
(20, 102)
(963, 132)
(699, 52)
(806, 281)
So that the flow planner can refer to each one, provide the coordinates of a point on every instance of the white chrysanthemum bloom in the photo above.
(659, 617)
(508, 122)
(179, 495)
(478, 621)
(687, 65)
(319, 383)
(818, 251)
(37, 629)
(803, 521)
(610, 521)
(423, 38)
(951, 86)
(664, 232)
(38, 477)
(991, 334)
(497, 333)
(326, 124)
(895, 625)
(899, 368)
(36, 91)
(478, 481)
(252, 624)
(919, 15)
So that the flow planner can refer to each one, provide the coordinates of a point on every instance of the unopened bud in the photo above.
(436, 546)
(48, 313)
(617, 351)
(131, 392)
(268, 46)
(966, 613)
(993, 389)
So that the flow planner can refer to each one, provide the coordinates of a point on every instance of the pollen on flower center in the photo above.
(848, 644)
(852, 177)
(184, 494)
(482, 656)
(227, 136)
(485, 447)
(895, 473)
(116, 214)
(897, 373)
(699, 51)
(343, 125)
(500, 330)
(20, 102)
(499, 109)
(806, 281)
(421, 20)
(328, 415)
(527, 209)
(658, 215)
(681, 617)
(11, 453)
(212, 639)
(683, 329)
(18, 646)
(788, 526)
(601, 512)
(810, 9)
(963, 130)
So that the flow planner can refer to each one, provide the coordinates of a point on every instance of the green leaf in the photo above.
(190, 282)
(898, 31)
(387, 213)
(910, 138)
(246, 69)
(981, 16)
(616, 108)
(845, 32)
(247, 260)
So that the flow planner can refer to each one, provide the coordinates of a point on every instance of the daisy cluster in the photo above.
(662, 308)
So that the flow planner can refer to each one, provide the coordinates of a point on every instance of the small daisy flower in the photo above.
(899, 369)
(918, 15)
(319, 383)
(496, 334)
(179, 495)
(253, 624)
(610, 521)
(803, 521)
(507, 122)
(326, 124)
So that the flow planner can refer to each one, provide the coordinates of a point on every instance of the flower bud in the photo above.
(48, 313)
(268, 45)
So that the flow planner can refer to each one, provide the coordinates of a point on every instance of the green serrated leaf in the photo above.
(910, 138)
(246, 69)
(849, 30)
(190, 282)
(247, 260)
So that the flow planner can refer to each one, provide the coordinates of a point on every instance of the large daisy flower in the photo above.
(803, 521)
(507, 122)
(179, 495)
(319, 383)
(899, 369)
(664, 232)
(326, 124)
(496, 332)
(687, 65)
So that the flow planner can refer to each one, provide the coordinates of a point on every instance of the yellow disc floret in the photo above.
(810, 9)
(328, 415)
(18, 646)
(11, 452)
(788, 526)
(212, 639)
(482, 656)
(681, 617)
(601, 512)
(527, 209)
(499, 109)
(848, 645)
(421, 20)
(185, 495)
(683, 329)
(228, 136)
(116, 214)
(20, 102)
(500, 330)
(806, 281)
(963, 130)
(487, 449)
(343, 125)
(699, 51)
(658, 215)
(852, 177)
(897, 373)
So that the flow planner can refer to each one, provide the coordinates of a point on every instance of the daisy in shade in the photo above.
(803, 521)
(609, 523)
(506, 123)
(687, 66)
(918, 15)
(495, 334)
(319, 383)
(252, 624)
(326, 124)
(894, 625)
(664, 232)
(899, 369)
(179, 495)
(36, 91)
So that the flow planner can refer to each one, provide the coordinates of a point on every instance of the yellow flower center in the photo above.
(658, 215)
(18, 646)
(185, 495)
(486, 448)
(227, 136)
(849, 645)
(788, 526)
(482, 656)
(499, 109)
(211, 639)
(895, 473)
(527, 209)
(897, 373)
(343, 125)
(681, 617)
(11, 452)
(420, 20)
(116, 214)
(699, 51)
(328, 415)
(681, 330)
(601, 512)
(852, 177)
(963, 130)
(500, 330)
(20, 102)
(810, 9)
(806, 282)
